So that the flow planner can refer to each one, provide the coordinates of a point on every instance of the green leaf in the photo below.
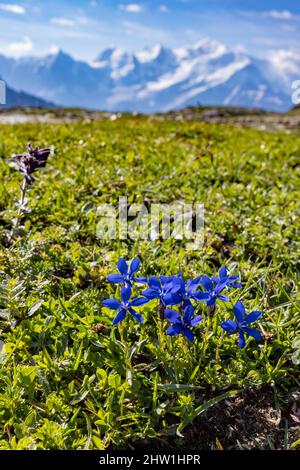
(35, 307)
(177, 387)
(78, 357)
(136, 346)
(98, 443)
(202, 408)
(28, 375)
(295, 444)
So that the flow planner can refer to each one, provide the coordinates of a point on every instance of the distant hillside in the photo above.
(20, 98)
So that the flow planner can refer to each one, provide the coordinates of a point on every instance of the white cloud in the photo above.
(62, 22)
(241, 49)
(12, 8)
(53, 49)
(279, 15)
(20, 48)
(163, 9)
(289, 28)
(131, 8)
(83, 20)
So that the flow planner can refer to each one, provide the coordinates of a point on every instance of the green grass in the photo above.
(63, 386)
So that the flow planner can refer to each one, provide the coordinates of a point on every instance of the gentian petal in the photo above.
(223, 272)
(192, 284)
(186, 303)
(230, 326)
(242, 341)
(239, 311)
(188, 313)
(126, 293)
(136, 315)
(138, 301)
(140, 280)
(254, 333)
(236, 286)
(178, 285)
(154, 282)
(233, 278)
(134, 266)
(115, 278)
(119, 317)
(196, 320)
(165, 279)
(200, 296)
(171, 299)
(172, 316)
(252, 317)
(219, 287)
(211, 301)
(189, 335)
(122, 266)
(151, 294)
(112, 304)
(207, 283)
(174, 330)
(225, 298)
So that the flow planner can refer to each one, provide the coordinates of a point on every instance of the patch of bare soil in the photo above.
(238, 117)
(19, 115)
(251, 420)
(248, 421)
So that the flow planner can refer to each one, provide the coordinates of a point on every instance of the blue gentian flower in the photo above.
(163, 288)
(182, 325)
(241, 325)
(126, 275)
(228, 281)
(214, 291)
(187, 290)
(174, 290)
(126, 305)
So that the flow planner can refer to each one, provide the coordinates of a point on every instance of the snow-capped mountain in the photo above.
(158, 78)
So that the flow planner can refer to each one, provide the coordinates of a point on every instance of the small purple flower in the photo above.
(126, 275)
(31, 161)
(126, 305)
(214, 291)
(241, 325)
(182, 325)
(228, 281)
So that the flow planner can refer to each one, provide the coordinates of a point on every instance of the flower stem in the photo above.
(128, 366)
(20, 209)
(23, 192)
(161, 310)
(174, 361)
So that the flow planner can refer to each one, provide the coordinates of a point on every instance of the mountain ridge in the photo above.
(21, 98)
(158, 78)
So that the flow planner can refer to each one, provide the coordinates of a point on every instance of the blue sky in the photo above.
(85, 27)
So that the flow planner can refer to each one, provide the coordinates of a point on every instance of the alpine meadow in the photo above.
(139, 343)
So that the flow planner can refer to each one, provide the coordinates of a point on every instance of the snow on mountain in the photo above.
(158, 78)
(119, 61)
